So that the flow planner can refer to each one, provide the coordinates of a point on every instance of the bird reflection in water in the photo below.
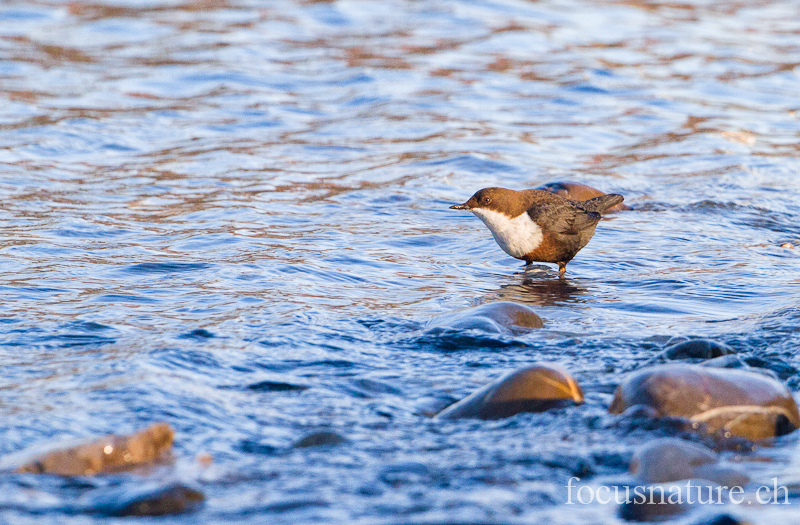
(540, 288)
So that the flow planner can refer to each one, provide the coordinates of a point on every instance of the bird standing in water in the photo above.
(536, 225)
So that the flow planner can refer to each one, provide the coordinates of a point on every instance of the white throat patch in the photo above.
(517, 237)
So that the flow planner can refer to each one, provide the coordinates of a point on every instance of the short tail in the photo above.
(603, 202)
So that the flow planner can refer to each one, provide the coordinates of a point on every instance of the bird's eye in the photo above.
(487, 200)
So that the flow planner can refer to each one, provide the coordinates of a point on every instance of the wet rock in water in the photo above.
(408, 473)
(639, 417)
(668, 459)
(531, 389)
(698, 349)
(148, 500)
(499, 317)
(318, 439)
(694, 350)
(731, 402)
(675, 339)
(578, 192)
(720, 519)
(274, 386)
(750, 422)
(660, 502)
(774, 364)
(735, 361)
(727, 361)
(639, 412)
(429, 406)
(111, 453)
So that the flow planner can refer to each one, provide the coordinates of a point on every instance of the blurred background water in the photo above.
(233, 216)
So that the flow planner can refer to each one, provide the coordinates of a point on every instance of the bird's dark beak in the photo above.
(460, 207)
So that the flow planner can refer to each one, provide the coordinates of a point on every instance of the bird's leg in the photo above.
(562, 268)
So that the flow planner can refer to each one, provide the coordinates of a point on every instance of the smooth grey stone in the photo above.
(658, 508)
(318, 439)
(698, 349)
(736, 362)
(669, 459)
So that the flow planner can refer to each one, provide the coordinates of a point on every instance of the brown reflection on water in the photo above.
(46, 55)
(95, 11)
(543, 289)
(365, 57)
(694, 10)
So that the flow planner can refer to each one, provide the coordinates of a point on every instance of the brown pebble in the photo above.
(732, 402)
(143, 499)
(498, 317)
(110, 453)
(512, 316)
(750, 422)
(173, 499)
(204, 459)
(531, 389)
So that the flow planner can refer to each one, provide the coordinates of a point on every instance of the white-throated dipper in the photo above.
(536, 225)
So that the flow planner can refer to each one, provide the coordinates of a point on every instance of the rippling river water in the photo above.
(232, 216)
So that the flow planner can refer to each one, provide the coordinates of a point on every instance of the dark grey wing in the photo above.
(603, 202)
(566, 220)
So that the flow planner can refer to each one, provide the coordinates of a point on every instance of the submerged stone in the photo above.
(663, 501)
(578, 192)
(694, 350)
(774, 364)
(147, 500)
(698, 349)
(735, 361)
(733, 402)
(720, 519)
(728, 361)
(110, 453)
(497, 317)
(318, 439)
(531, 389)
(750, 422)
(429, 406)
(668, 459)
